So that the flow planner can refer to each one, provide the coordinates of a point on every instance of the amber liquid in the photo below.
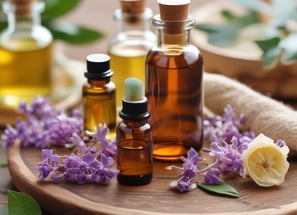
(99, 106)
(127, 60)
(134, 155)
(174, 92)
(25, 72)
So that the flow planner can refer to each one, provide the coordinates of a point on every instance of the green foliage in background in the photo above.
(68, 32)
(280, 40)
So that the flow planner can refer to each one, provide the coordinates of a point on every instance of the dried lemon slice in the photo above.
(265, 162)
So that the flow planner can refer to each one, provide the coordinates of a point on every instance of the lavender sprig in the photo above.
(43, 126)
(228, 142)
(89, 164)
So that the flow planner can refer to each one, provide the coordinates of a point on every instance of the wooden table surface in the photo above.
(95, 14)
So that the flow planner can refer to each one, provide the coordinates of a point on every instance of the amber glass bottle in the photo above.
(130, 45)
(174, 84)
(134, 137)
(99, 94)
(25, 54)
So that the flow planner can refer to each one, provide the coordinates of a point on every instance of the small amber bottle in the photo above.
(134, 137)
(174, 70)
(99, 94)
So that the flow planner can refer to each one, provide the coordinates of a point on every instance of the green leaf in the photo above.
(225, 34)
(22, 203)
(58, 8)
(3, 209)
(267, 44)
(73, 34)
(271, 51)
(3, 165)
(221, 189)
(289, 46)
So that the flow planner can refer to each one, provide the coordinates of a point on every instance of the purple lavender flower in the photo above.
(89, 164)
(108, 147)
(228, 141)
(44, 126)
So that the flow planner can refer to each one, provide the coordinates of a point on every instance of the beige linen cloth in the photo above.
(264, 115)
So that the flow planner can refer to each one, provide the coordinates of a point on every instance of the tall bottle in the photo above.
(174, 71)
(130, 45)
(99, 94)
(134, 137)
(26, 54)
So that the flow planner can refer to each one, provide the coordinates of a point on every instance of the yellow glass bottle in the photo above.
(130, 45)
(174, 70)
(99, 94)
(26, 54)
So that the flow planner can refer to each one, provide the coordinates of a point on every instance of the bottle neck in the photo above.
(23, 16)
(173, 33)
(99, 82)
(133, 22)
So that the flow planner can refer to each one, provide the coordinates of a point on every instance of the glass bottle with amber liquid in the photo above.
(98, 95)
(26, 54)
(174, 71)
(134, 137)
(130, 45)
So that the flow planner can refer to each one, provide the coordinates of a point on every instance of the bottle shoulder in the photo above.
(26, 38)
(190, 53)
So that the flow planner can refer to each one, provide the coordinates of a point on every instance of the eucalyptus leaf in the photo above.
(73, 34)
(289, 47)
(3, 165)
(225, 34)
(220, 189)
(58, 8)
(271, 50)
(22, 203)
(3, 209)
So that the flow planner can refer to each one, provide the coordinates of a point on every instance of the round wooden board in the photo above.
(155, 198)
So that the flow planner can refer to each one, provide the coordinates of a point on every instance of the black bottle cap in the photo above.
(98, 66)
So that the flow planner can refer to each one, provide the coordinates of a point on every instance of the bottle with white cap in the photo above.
(134, 137)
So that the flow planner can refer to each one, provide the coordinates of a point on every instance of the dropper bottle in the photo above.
(134, 137)
(99, 94)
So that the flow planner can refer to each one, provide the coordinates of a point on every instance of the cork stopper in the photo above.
(174, 10)
(132, 6)
(22, 2)
(23, 7)
(174, 13)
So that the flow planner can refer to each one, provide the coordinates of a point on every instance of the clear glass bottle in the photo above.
(130, 45)
(174, 70)
(99, 94)
(134, 139)
(26, 54)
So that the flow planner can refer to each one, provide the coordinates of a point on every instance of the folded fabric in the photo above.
(264, 114)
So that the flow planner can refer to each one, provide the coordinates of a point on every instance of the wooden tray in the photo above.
(155, 198)
(68, 80)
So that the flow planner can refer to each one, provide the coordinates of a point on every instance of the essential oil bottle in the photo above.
(130, 45)
(99, 94)
(134, 137)
(25, 54)
(174, 70)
